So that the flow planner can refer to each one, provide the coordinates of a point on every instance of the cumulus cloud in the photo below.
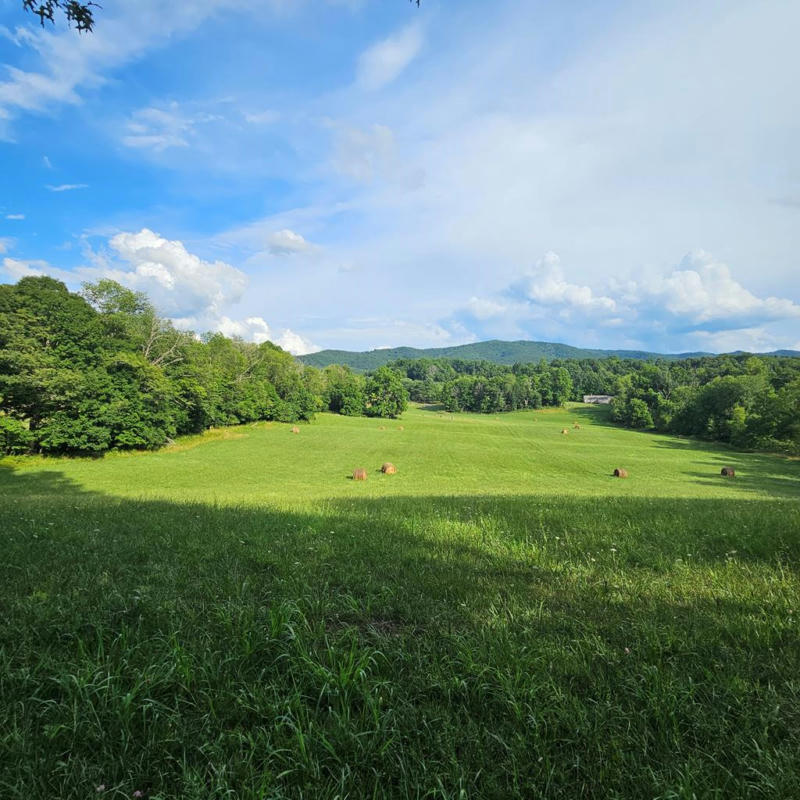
(381, 63)
(180, 283)
(702, 292)
(67, 187)
(546, 285)
(698, 305)
(252, 329)
(195, 294)
(5, 244)
(47, 163)
(296, 344)
(286, 243)
(15, 216)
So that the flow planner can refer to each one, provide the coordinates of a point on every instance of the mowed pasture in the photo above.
(235, 617)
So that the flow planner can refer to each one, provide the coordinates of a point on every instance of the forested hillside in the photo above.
(496, 351)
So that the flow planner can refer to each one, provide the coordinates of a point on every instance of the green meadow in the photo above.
(234, 617)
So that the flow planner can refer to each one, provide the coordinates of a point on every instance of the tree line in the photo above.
(83, 373)
(747, 401)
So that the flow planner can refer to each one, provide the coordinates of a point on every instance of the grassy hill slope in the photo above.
(235, 617)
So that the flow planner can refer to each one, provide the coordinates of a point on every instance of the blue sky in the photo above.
(364, 173)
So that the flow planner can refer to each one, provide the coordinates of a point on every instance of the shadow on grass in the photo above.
(398, 647)
(775, 475)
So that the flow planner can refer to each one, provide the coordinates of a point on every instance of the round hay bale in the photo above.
(388, 468)
(295, 429)
(620, 473)
(565, 431)
(359, 474)
(728, 472)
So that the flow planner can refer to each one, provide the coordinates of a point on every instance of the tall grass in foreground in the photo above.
(408, 647)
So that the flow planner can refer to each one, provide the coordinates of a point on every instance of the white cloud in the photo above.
(703, 291)
(267, 117)
(697, 306)
(70, 63)
(546, 285)
(15, 216)
(286, 243)
(381, 63)
(180, 283)
(360, 333)
(482, 308)
(20, 268)
(363, 153)
(67, 187)
(194, 293)
(158, 129)
(252, 329)
(6, 243)
(47, 163)
(16, 268)
(295, 344)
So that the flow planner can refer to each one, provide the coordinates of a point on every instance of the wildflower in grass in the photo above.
(627, 651)
(138, 793)
(101, 788)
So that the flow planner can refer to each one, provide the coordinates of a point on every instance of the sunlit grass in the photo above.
(501, 618)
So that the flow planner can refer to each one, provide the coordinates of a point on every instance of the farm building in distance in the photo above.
(603, 399)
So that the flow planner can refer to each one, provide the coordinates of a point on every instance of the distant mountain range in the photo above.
(494, 350)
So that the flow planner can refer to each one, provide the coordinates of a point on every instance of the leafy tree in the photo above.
(384, 394)
(639, 414)
(344, 392)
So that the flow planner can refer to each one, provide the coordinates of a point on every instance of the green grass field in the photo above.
(233, 617)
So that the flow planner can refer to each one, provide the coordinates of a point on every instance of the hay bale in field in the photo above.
(401, 428)
(576, 426)
(295, 429)
(388, 468)
(359, 474)
(728, 472)
(620, 473)
(565, 431)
